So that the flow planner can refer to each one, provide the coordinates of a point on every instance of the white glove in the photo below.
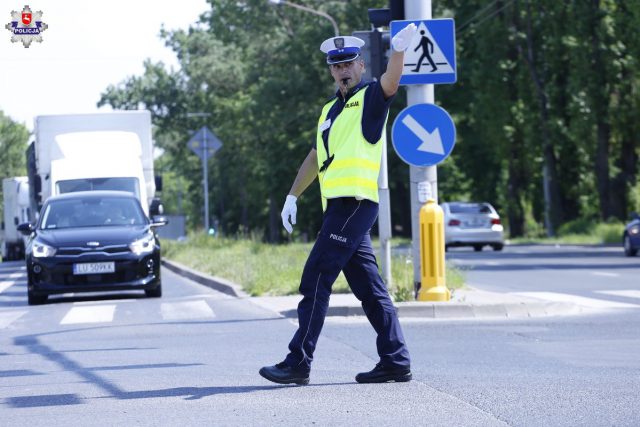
(401, 41)
(289, 210)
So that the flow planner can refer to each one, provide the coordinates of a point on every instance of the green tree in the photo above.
(13, 143)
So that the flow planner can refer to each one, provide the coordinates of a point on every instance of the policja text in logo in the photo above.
(26, 26)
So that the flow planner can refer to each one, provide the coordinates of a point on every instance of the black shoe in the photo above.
(285, 374)
(381, 374)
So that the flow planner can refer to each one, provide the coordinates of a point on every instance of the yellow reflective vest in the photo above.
(353, 170)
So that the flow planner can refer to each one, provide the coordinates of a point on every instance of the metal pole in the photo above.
(205, 172)
(384, 215)
(423, 180)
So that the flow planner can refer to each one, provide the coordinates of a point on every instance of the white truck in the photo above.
(101, 151)
(15, 194)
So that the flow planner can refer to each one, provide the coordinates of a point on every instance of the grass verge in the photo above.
(264, 269)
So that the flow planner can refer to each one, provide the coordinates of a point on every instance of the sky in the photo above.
(87, 46)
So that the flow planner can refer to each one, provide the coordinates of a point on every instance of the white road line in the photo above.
(581, 301)
(95, 303)
(8, 317)
(605, 274)
(629, 293)
(4, 285)
(186, 310)
(89, 314)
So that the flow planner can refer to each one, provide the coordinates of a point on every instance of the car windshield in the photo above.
(129, 185)
(91, 212)
(470, 208)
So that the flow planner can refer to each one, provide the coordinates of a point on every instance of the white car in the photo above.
(472, 224)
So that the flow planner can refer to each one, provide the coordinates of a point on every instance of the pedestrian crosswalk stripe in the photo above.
(186, 310)
(628, 293)
(8, 317)
(604, 274)
(4, 285)
(581, 301)
(89, 314)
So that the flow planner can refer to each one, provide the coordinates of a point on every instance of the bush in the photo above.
(577, 226)
(610, 232)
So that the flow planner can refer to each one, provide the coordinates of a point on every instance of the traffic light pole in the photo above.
(423, 180)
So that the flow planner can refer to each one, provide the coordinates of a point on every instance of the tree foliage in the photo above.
(545, 107)
(13, 144)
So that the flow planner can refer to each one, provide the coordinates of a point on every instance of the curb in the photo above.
(453, 310)
(410, 309)
(217, 283)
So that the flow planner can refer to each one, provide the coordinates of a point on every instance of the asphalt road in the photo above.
(598, 276)
(191, 358)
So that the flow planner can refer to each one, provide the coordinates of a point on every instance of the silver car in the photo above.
(472, 224)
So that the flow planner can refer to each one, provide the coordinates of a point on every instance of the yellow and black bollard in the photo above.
(432, 267)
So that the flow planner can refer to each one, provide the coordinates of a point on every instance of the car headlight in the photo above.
(144, 245)
(40, 250)
(634, 230)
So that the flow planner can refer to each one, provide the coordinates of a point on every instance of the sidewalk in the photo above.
(467, 303)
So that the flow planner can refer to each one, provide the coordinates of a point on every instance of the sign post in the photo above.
(205, 144)
(435, 46)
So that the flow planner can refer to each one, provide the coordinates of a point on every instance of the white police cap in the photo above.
(341, 49)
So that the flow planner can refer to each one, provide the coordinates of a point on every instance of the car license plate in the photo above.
(94, 268)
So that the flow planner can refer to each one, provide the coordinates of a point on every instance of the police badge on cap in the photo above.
(341, 49)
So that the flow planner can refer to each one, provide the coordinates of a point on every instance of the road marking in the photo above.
(89, 314)
(581, 301)
(629, 293)
(605, 274)
(8, 317)
(93, 303)
(4, 285)
(186, 310)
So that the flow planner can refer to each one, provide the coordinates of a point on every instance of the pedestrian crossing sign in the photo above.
(431, 55)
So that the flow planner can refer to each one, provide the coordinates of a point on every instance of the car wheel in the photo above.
(154, 293)
(628, 250)
(477, 248)
(498, 247)
(33, 299)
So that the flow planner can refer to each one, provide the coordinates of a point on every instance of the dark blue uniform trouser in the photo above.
(344, 245)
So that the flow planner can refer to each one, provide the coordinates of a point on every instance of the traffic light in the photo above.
(397, 10)
(372, 53)
(377, 45)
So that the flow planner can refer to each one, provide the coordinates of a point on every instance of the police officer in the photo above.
(346, 159)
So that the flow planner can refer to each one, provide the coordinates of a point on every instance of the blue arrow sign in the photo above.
(431, 55)
(423, 135)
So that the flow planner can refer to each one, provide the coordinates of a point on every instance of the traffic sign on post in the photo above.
(431, 56)
(423, 135)
(204, 141)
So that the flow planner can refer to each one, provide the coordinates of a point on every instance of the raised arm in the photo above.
(390, 80)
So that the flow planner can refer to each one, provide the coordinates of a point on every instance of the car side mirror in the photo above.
(155, 207)
(159, 221)
(26, 228)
